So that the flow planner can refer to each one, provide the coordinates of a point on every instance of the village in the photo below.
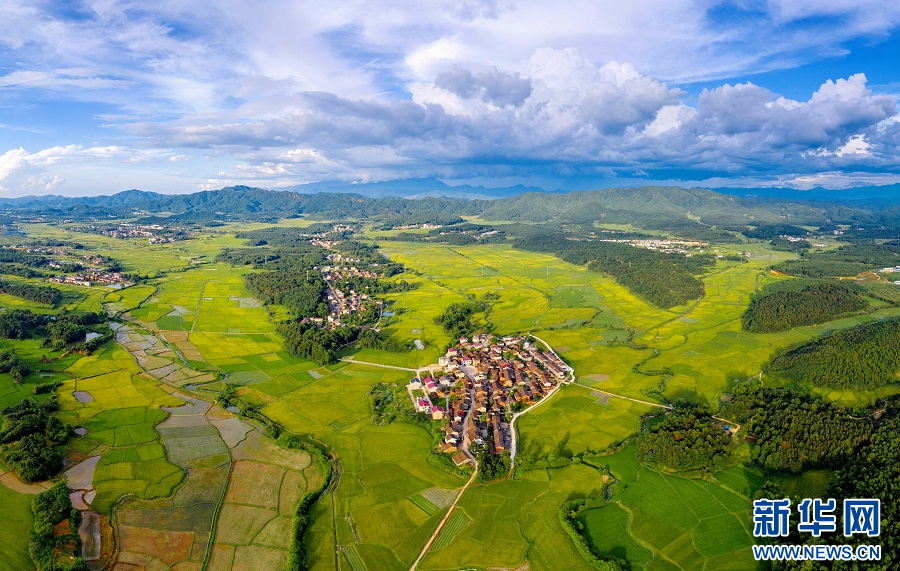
(89, 277)
(663, 245)
(155, 233)
(483, 382)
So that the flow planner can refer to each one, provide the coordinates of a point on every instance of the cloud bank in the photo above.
(195, 94)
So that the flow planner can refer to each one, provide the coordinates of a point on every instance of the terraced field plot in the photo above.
(16, 524)
(177, 529)
(515, 520)
(254, 527)
(121, 420)
(576, 421)
(607, 533)
(382, 467)
(159, 360)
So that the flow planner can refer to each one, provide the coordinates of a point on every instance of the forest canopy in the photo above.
(816, 303)
(663, 279)
(862, 357)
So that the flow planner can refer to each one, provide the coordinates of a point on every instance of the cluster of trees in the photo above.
(291, 237)
(302, 293)
(307, 341)
(570, 518)
(14, 365)
(457, 318)
(492, 467)
(662, 279)
(388, 402)
(58, 331)
(296, 259)
(849, 260)
(371, 339)
(21, 271)
(772, 231)
(786, 245)
(791, 431)
(873, 472)
(688, 440)
(14, 256)
(30, 292)
(862, 357)
(29, 437)
(816, 303)
(51, 508)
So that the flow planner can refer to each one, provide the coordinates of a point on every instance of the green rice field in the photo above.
(186, 469)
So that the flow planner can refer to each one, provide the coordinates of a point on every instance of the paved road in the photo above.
(514, 446)
(648, 403)
(444, 521)
(355, 362)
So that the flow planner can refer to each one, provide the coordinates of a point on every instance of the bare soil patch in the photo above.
(253, 557)
(170, 547)
(255, 484)
(12, 481)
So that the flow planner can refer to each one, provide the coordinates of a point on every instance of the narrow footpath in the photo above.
(444, 521)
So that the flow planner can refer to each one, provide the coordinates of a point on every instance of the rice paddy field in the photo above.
(255, 520)
(578, 421)
(209, 491)
(383, 470)
(658, 521)
(16, 522)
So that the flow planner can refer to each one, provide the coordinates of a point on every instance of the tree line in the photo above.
(816, 303)
(688, 439)
(663, 279)
(862, 357)
(790, 431)
(30, 292)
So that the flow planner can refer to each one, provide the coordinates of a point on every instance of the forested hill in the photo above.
(661, 206)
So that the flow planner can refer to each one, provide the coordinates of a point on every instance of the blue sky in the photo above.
(186, 95)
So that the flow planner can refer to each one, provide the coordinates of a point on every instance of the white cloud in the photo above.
(275, 92)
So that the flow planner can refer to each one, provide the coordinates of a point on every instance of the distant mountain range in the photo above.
(420, 188)
(393, 202)
(863, 196)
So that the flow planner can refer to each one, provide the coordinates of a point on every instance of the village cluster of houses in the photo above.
(334, 273)
(484, 379)
(416, 226)
(155, 233)
(49, 250)
(665, 246)
(89, 277)
(341, 303)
